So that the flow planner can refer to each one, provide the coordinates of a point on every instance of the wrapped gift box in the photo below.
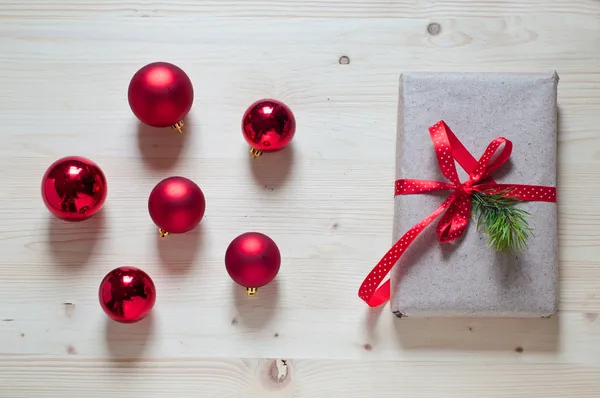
(466, 277)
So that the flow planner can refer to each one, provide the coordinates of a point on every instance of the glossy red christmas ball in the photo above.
(176, 205)
(127, 294)
(252, 260)
(268, 125)
(74, 188)
(161, 95)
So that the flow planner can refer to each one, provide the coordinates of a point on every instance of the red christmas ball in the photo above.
(161, 95)
(74, 188)
(268, 125)
(176, 205)
(127, 294)
(252, 260)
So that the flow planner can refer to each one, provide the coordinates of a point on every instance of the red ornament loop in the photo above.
(456, 208)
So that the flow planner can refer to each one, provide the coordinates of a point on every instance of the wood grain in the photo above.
(326, 200)
(297, 8)
(305, 378)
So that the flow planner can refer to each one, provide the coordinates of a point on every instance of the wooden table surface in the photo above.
(326, 200)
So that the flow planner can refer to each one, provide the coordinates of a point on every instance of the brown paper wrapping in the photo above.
(466, 277)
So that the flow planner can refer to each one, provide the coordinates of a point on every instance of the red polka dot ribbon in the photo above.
(456, 208)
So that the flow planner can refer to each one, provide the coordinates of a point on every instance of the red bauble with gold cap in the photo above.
(74, 188)
(268, 125)
(161, 95)
(176, 205)
(127, 294)
(252, 260)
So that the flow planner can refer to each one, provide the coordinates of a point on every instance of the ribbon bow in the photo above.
(456, 208)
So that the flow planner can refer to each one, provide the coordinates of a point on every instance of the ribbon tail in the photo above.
(380, 296)
(370, 290)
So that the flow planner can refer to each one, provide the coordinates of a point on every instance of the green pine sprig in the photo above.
(505, 225)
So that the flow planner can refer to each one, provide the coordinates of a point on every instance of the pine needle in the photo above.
(505, 225)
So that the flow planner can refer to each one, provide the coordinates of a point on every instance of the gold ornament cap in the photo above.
(255, 153)
(178, 126)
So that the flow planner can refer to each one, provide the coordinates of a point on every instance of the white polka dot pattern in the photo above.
(455, 219)
(412, 187)
(443, 151)
(457, 207)
(369, 290)
(530, 193)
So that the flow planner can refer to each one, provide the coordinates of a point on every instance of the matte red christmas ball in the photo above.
(252, 260)
(268, 125)
(161, 95)
(127, 294)
(176, 205)
(74, 188)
